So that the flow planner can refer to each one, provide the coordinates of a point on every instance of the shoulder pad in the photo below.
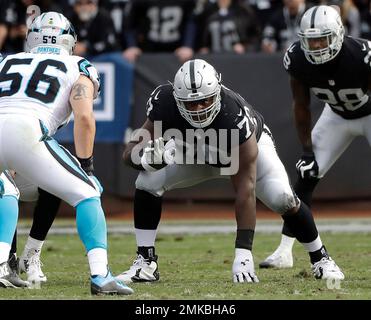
(154, 99)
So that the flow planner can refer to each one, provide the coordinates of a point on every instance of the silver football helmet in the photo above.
(196, 80)
(51, 32)
(321, 24)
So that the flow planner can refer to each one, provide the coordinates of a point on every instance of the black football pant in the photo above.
(44, 214)
(304, 190)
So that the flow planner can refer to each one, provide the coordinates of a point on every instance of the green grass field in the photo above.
(199, 267)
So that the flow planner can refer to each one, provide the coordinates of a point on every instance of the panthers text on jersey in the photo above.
(235, 113)
(342, 83)
(39, 85)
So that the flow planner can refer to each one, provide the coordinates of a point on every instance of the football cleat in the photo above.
(278, 259)
(14, 277)
(142, 270)
(100, 285)
(6, 278)
(326, 268)
(30, 264)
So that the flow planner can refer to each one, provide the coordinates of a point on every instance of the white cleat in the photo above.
(278, 259)
(142, 270)
(326, 268)
(31, 265)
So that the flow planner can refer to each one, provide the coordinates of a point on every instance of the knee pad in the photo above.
(152, 182)
(283, 202)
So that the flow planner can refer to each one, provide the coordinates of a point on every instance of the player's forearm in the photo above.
(84, 134)
(245, 209)
(303, 123)
(128, 159)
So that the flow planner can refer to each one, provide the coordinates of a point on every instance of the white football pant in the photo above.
(332, 135)
(41, 161)
(272, 183)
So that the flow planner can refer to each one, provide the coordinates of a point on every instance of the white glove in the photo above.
(243, 267)
(157, 154)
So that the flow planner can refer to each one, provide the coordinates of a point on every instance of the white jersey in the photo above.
(39, 85)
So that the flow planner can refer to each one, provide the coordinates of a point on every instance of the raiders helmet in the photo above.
(197, 80)
(321, 23)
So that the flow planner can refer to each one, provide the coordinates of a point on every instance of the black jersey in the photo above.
(157, 26)
(235, 113)
(342, 83)
(222, 30)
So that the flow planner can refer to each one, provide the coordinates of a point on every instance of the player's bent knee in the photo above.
(150, 182)
(29, 192)
(284, 202)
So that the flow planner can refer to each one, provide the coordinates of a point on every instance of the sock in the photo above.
(316, 250)
(286, 243)
(91, 224)
(4, 251)
(98, 262)
(147, 215)
(32, 246)
(44, 214)
(302, 224)
(145, 238)
(147, 210)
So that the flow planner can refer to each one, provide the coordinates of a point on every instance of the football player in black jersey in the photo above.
(337, 69)
(160, 26)
(198, 103)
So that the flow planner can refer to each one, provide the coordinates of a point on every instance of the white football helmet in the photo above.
(321, 22)
(197, 80)
(51, 32)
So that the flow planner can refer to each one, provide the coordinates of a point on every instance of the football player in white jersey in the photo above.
(39, 90)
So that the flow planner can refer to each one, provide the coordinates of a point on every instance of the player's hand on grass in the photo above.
(243, 267)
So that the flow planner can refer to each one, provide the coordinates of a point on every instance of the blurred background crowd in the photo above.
(184, 27)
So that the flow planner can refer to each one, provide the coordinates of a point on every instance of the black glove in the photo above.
(307, 166)
(87, 165)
